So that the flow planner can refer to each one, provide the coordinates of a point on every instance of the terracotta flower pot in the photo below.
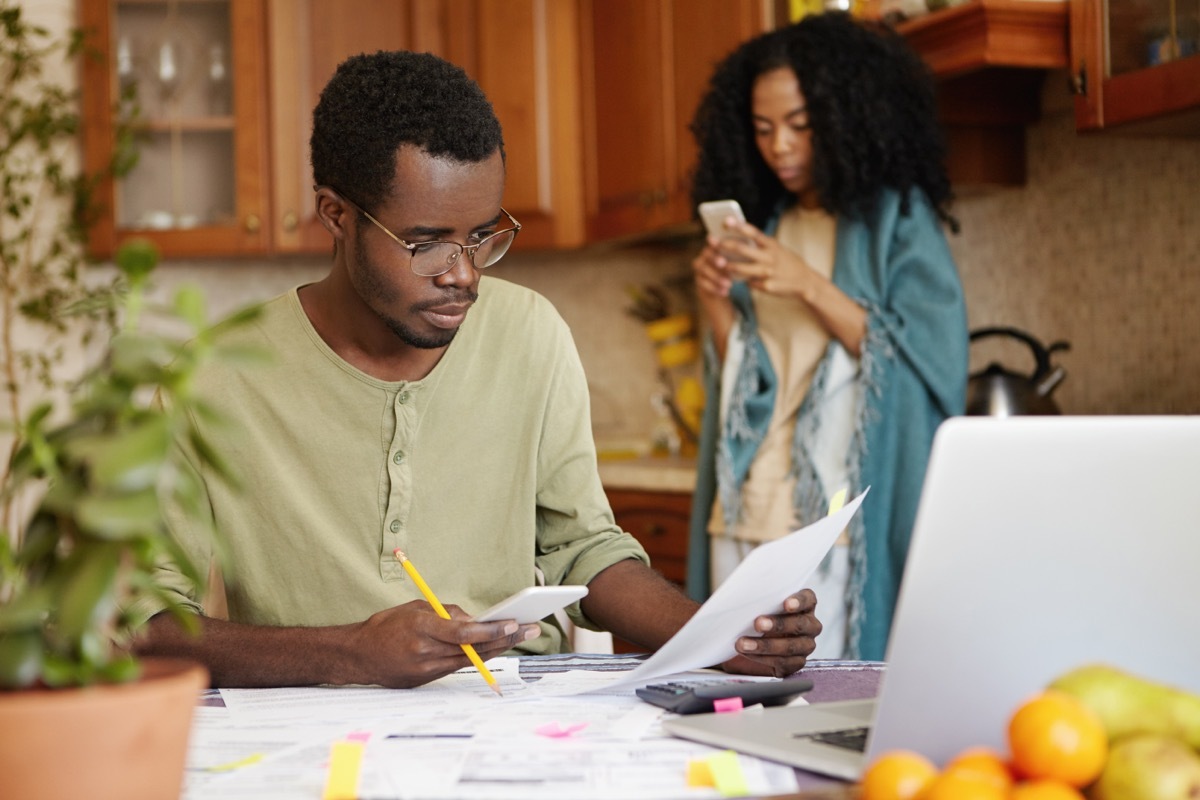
(115, 742)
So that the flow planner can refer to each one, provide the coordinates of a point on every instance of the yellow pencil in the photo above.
(444, 614)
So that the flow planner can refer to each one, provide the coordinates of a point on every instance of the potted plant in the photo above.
(73, 579)
(85, 488)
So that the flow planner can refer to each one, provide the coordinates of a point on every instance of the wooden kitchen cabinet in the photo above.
(523, 53)
(989, 59)
(594, 97)
(659, 521)
(645, 65)
(1136, 65)
(199, 187)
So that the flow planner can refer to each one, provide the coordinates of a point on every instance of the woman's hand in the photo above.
(710, 269)
(713, 282)
(766, 265)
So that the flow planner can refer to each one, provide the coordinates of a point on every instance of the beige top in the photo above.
(795, 341)
(484, 472)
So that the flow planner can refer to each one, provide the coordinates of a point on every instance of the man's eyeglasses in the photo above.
(430, 259)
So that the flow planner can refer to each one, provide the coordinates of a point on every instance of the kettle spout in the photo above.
(1049, 383)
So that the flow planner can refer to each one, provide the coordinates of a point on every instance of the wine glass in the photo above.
(167, 72)
(218, 79)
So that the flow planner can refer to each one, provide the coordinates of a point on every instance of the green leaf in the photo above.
(120, 516)
(58, 670)
(20, 659)
(40, 540)
(28, 611)
(241, 354)
(89, 591)
(129, 461)
(137, 258)
(210, 456)
(190, 306)
(238, 319)
(138, 356)
(182, 562)
(123, 669)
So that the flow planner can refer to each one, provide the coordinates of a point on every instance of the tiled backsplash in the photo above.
(1101, 249)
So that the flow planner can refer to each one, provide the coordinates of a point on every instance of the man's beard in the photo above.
(432, 341)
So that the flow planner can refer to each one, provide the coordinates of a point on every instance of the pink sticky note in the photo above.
(727, 705)
(555, 731)
(359, 736)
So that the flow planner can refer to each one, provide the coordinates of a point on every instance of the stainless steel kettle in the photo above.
(998, 392)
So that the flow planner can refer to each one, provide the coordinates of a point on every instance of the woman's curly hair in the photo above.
(374, 103)
(871, 106)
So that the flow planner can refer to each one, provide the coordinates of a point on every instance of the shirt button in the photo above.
(402, 398)
(398, 458)
(395, 526)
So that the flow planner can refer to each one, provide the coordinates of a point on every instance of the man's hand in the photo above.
(786, 642)
(411, 645)
(398, 647)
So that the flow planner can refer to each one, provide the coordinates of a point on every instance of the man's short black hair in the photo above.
(375, 103)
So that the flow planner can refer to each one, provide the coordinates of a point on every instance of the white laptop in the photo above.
(1040, 543)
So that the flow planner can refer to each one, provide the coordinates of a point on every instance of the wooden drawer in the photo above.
(659, 521)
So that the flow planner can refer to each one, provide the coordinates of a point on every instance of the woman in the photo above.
(839, 338)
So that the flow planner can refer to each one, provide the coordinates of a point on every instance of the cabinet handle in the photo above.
(660, 196)
(253, 223)
(1077, 83)
(655, 530)
(290, 221)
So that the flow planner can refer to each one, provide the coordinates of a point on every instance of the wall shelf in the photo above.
(981, 34)
(990, 58)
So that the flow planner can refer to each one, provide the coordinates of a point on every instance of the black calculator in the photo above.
(696, 697)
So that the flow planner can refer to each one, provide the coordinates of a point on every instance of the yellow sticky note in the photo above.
(837, 501)
(345, 760)
(727, 774)
(699, 774)
(241, 762)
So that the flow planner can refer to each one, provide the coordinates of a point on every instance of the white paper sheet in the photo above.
(450, 741)
(758, 586)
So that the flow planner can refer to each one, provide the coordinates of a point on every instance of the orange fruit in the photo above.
(963, 784)
(1055, 736)
(1044, 790)
(896, 775)
(985, 762)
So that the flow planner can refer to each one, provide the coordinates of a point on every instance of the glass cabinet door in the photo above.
(1147, 33)
(175, 58)
(1137, 61)
(190, 75)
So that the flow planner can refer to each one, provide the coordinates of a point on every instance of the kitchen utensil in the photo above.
(999, 392)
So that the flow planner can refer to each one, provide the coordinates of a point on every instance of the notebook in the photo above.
(1040, 543)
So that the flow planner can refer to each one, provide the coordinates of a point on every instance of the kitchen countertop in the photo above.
(649, 473)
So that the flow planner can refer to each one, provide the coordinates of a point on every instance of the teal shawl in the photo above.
(911, 375)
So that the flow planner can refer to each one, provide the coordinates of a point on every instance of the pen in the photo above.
(444, 614)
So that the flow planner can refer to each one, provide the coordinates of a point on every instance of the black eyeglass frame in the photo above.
(411, 247)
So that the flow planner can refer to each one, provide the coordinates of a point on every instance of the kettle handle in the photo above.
(1041, 354)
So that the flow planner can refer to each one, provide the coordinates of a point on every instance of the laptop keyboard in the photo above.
(850, 738)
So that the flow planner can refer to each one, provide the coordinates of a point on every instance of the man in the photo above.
(413, 404)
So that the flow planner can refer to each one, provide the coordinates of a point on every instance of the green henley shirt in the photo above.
(484, 472)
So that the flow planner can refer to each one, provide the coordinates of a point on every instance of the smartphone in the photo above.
(714, 213)
(533, 603)
(696, 697)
